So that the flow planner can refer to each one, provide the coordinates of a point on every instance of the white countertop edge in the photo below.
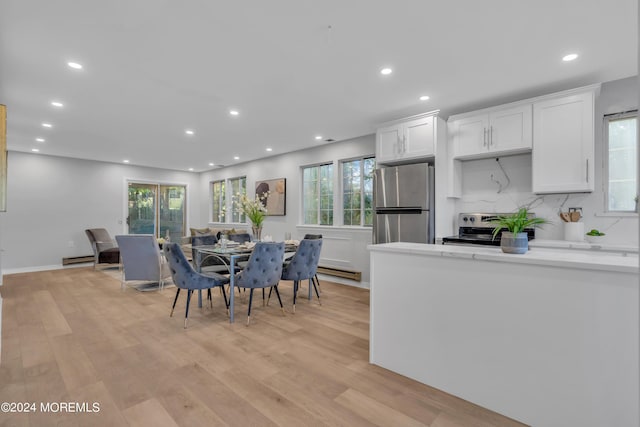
(535, 256)
(565, 244)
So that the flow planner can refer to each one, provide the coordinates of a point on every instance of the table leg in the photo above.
(231, 285)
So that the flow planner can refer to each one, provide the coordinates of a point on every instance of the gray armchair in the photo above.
(104, 248)
(142, 261)
(185, 277)
(303, 266)
(263, 270)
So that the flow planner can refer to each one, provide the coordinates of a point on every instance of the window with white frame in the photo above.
(621, 161)
(317, 194)
(218, 200)
(357, 191)
(238, 186)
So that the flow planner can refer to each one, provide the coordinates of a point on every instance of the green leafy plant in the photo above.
(595, 232)
(517, 222)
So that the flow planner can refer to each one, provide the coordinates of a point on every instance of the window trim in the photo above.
(607, 118)
(333, 194)
(341, 193)
(222, 211)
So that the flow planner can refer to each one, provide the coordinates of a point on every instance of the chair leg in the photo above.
(316, 289)
(263, 301)
(209, 298)
(295, 294)
(250, 301)
(317, 282)
(279, 300)
(269, 297)
(174, 302)
(186, 313)
(226, 303)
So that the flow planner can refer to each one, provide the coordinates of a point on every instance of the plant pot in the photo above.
(595, 239)
(514, 243)
(257, 232)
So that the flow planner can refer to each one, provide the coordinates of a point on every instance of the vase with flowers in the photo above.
(253, 209)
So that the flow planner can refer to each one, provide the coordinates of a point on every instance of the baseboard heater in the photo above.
(340, 272)
(77, 259)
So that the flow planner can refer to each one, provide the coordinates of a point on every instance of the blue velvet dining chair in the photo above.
(263, 270)
(240, 237)
(315, 276)
(303, 266)
(185, 277)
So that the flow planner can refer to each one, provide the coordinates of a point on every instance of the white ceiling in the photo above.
(294, 69)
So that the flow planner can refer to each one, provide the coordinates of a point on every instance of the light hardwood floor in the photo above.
(73, 336)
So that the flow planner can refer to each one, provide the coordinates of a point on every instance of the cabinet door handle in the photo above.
(404, 144)
(491, 135)
(484, 137)
(587, 170)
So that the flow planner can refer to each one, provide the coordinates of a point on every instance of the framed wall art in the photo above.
(276, 199)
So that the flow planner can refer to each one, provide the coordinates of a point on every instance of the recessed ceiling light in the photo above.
(424, 98)
(318, 137)
(234, 112)
(40, 139)
(190, 169)
(125, 161)
(74, 65)
(236, 158)
(46, 125)
(569, 57)
(57, 104)
(35, 150)
(211, 164)
(386, 71)
(269, 149)
(189, 132)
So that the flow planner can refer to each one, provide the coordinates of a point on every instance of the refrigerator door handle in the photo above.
(400, 210)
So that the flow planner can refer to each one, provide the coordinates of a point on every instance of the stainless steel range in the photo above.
(477, 229)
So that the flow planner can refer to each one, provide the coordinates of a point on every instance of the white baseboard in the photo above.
(32, 269)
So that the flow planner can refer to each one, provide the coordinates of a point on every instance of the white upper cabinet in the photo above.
(492, 132)
(563, 147)
(410, 139)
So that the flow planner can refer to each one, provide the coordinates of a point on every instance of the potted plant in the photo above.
(595, 236)
(515, 240)
(254, 210)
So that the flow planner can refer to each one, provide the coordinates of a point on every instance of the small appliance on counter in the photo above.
(477, 229)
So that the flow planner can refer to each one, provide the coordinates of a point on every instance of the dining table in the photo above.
(233, 253)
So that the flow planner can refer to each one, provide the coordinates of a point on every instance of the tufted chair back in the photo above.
(304, 263)
(264, 267)
(240, 237)
(313, 236)
(184, 276)
(203, 240)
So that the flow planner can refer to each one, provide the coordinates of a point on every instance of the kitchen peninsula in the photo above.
(549, 338)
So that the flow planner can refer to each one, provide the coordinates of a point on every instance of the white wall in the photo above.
(479, 192)
(52, 200)
(342, 246)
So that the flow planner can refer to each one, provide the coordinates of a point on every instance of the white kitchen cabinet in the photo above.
(563, 146)
(492, 132)
(409, 139)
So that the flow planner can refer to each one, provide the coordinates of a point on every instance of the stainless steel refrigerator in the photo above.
(403, 199)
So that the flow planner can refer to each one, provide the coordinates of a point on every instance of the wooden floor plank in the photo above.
(74, 336)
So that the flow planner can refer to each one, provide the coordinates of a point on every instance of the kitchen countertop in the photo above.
(623, 262)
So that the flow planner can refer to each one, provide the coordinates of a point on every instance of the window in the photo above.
(218, 201)
(317, 194)
(621, 158)
(237, 186)
(357, 191)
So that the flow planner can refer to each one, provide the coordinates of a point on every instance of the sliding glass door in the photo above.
(157, 209)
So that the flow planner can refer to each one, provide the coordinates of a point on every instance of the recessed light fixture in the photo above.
(318, 137)
(74, 65)
(125, 161)
(424, 98)
(234, 112)
(269, 149)
(190, 169)
(57, 104)
(35, 150)
(236, 158)
(386, 71)
(46, 125)
(211, 164)
(189, 132)
(40, 139)
(570, 57)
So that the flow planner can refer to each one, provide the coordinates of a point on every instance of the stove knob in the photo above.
(472, 219)
(465, 219)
